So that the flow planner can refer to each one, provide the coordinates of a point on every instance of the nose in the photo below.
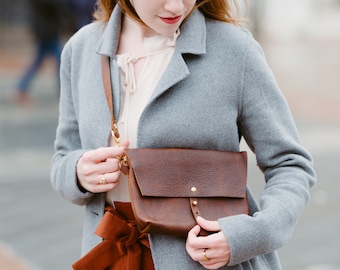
(174, 6)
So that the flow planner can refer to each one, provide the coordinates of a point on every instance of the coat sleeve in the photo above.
(68, 147)
(267, 125)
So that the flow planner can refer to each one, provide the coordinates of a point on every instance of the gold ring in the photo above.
(102, 180)
(205, 258)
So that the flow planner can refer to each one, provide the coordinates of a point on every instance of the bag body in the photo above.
(170, 187)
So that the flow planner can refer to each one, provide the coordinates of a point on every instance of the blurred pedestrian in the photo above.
(46, 20)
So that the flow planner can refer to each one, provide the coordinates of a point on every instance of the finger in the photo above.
(103, 183)
(194, 241)
(103, 153)
(210, 260)
(191, 245)
(212, 265)
(193, 233)
(109, 165)
(206, 257)
(98, 162)
(209, 225)
(99, 188)
(95, 171)
(112, 177)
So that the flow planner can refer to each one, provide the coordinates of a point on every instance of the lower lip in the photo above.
(171, 20)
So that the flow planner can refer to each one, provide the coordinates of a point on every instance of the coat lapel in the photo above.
(192, 40)
(176, 71)
(107, 46)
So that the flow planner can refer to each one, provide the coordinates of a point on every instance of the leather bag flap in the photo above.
(175, 172)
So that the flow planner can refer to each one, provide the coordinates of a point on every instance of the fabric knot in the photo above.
(133, 237)
(127, 62)
(123, 246)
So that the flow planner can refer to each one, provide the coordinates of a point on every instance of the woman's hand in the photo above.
(210, 251)
(98, 170)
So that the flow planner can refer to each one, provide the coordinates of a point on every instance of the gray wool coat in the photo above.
(217, 89)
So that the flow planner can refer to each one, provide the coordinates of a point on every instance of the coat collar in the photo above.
(191, 40)
(109, 41)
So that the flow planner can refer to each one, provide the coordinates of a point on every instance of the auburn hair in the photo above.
(220, 10)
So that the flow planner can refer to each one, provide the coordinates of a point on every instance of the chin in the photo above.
(168, 32)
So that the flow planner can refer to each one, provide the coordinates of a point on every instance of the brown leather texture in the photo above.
(169, 187)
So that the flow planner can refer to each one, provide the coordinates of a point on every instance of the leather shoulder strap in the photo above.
(106, 76)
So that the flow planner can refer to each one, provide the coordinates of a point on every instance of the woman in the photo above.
(184, 75)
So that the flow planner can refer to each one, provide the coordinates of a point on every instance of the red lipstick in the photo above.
(171, 20)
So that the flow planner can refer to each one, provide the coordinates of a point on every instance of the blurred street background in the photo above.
(40, 231)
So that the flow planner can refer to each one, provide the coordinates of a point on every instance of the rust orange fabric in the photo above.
(122, 248)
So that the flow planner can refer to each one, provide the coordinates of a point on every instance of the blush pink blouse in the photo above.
(136, 93)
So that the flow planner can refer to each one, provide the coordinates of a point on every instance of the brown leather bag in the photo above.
(170, 187)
